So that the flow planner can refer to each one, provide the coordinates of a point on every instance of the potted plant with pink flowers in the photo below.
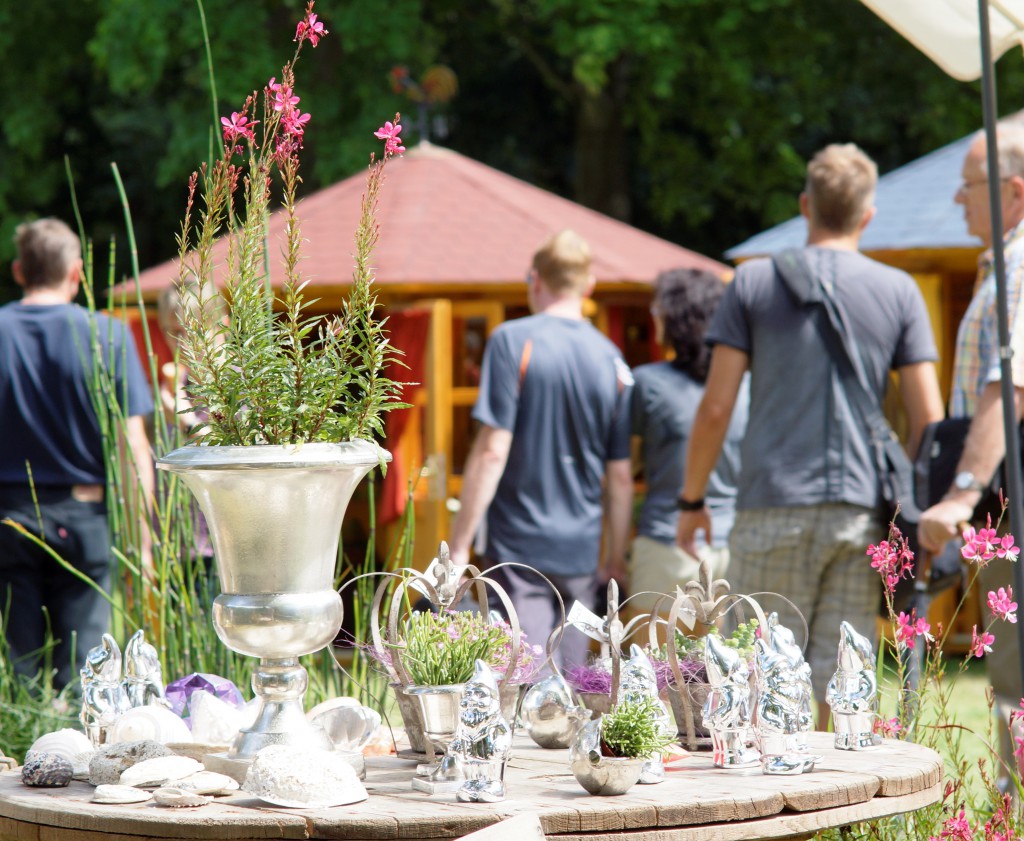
(291, 402)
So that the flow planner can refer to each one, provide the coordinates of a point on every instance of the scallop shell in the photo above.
(178, 798)
(119, 794)
(73, 745)
(152, 723)
(348, 724)
(208, 782)
(160, 771)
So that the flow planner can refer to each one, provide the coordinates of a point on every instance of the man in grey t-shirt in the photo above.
(808, 499)
(552, 453)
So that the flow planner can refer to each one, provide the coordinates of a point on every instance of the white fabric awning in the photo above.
(947, 30)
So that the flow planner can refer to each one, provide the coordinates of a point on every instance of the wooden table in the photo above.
(696, 803)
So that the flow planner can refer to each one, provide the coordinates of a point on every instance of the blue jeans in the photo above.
(30, 579)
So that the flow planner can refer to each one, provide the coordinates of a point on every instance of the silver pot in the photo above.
(439, 712)
(601, 775)
(549, 712)
(274, 514)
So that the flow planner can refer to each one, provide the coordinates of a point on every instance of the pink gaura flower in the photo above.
(238, 125)
(957, 828)
(1001, 603)
(981, 643)
(980, 546)
(1006, 548)
(309, 28)
(389, 133)
(294, 123)
(284, 99)
(890, 728)
(893, 559)
(910, 626)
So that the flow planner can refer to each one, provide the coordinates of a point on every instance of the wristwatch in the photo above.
(966, 481)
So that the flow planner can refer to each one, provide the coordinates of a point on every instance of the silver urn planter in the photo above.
(600, 775)
(274, 515)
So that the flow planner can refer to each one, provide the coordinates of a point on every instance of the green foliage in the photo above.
(742, 639)
(441, 649)
(632, 729)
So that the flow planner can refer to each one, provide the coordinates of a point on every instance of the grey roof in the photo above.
(915, 210)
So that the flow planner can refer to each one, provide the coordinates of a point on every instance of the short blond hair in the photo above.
(47, 249)
(840, 187)
(187, 298)
(563, 262)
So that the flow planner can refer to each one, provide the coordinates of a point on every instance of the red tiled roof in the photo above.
(447, 219)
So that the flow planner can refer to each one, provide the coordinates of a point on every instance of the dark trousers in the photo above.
(537, 607)
(30, 579)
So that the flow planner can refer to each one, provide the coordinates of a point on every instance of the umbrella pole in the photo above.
(1013, 469)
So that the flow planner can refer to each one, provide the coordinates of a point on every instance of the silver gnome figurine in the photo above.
(143, 678)
(636, 683)
(103, 696)
(853, 692)
(727, 710)
(778, 712)
(483, 739)
(783, 642)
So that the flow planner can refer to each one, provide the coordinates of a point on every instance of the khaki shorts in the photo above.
(656, 568)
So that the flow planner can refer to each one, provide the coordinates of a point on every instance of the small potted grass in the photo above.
(609, 753)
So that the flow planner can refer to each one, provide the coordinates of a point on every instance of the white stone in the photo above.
(153, 723)
(119, 794)
(178, 798)
(161, 771)
(73, 745)
(208, 782)
(302, 778)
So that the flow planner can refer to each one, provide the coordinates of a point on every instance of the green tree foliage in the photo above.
(689, 118)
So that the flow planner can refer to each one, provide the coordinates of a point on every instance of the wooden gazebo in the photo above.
(456, 241)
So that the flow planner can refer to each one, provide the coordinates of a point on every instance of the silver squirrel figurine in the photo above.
(783, 642)
(778, 713)
(483, 739)
(728, 709)
(637, 682)
(143, 677)
(103, 695)
(852, 692)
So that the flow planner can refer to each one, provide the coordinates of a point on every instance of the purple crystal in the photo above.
(179, 691)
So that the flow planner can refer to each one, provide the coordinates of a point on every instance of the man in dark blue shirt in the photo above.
(52, 463)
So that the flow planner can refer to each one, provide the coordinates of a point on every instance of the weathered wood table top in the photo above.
(697, 802)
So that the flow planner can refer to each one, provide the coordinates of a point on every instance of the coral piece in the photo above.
(302, 778)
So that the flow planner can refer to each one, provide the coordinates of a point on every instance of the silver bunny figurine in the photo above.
(483, 739)
(727, 710)
(783, 642)
(637, 682)
(143, 677)
(853, 692)
(778, 713)
(103, 696)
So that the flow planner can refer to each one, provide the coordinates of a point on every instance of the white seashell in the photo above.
(216, 722)
(178, 798)
(161, 771)
(348, 725)
(150, 723)
(208, 782)
(119, 794)
(302, 778)
(73, 745)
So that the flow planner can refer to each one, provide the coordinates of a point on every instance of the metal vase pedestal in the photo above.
(274, 515)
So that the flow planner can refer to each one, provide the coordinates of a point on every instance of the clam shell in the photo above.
(208, 782)
(73, 745)
(348, 724)
(119, 794)
(160, 771)
(178, 798)
(157, 724)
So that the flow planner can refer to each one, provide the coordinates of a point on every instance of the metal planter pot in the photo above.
(274, 514)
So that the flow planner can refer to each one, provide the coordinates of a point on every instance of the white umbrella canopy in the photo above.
(947, 31)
